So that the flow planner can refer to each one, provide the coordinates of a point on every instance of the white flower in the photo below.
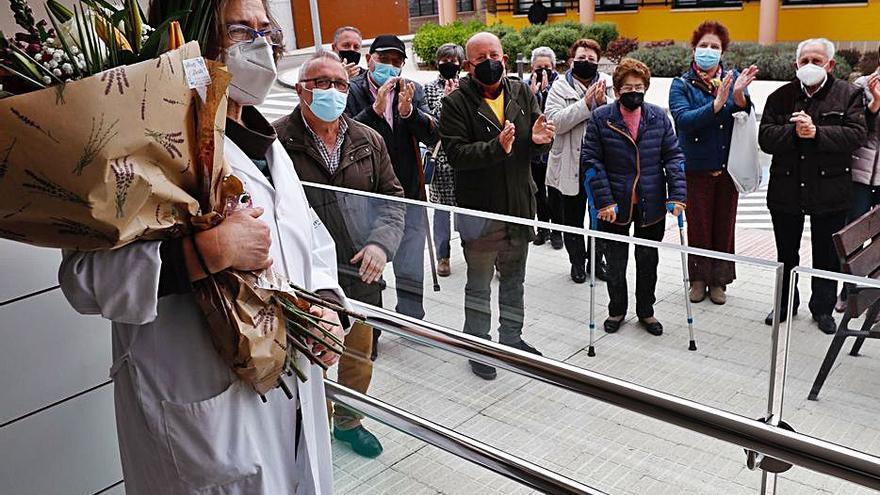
(67, 68)
(57, 72)
(38, 57)
(49, 50)
(53, 64)
(47, 79)
(57, 55)
(74, 50)
(50, 41)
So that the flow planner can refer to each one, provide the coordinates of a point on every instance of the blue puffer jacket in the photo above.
(652, 164)
(704, 135)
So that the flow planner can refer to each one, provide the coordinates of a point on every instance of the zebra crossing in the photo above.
(280, 102)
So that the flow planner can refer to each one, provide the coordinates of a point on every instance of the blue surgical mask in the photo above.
(707, 58)
(327, 104)
(383, 72)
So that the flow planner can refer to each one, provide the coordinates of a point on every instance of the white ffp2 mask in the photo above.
(811, 74)
(252, 65)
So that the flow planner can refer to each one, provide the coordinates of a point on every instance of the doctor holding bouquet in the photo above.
(186, 423)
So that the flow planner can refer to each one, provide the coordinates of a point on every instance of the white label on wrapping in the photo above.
(197, 75)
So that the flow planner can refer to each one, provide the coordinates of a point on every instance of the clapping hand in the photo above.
(405, 98)
(543, 131)
(352, 69)
(723, 92)
(873, 86)
(803, 125)
(742, 82)
(451, 85)
(507, 135)
(595, 93)
(382, 96)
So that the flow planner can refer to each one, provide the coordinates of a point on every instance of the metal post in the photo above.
(519, 65)
(591, 351)
(316, 26)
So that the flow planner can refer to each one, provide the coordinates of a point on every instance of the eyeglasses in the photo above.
(240, 33)
(638, 88)
(323, 83)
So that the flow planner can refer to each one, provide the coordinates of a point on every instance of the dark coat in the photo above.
(541, 159)
(487, 178)
(652, 165)
(353, 221)
(812, 176)
(538, 13)
(403, 140)
(704, 136)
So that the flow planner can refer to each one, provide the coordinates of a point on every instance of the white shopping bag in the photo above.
(743, 164)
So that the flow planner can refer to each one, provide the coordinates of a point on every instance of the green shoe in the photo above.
(362, 441)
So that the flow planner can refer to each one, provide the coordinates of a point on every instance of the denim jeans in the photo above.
(442, 232)
(510, 260)
(409, 263)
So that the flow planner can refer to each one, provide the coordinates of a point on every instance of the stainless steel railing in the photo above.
(464, 447)
(798, 449)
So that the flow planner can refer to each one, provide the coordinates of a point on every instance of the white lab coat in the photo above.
(185, 423)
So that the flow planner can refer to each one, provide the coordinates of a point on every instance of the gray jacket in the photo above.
(866, 160)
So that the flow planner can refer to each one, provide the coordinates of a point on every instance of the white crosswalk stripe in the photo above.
(752, 212)
(280, 102)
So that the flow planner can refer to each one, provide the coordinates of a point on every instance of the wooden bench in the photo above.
(858, 246)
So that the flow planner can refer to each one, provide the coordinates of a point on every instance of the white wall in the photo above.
(57, 427)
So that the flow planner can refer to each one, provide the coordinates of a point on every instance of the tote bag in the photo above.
(743, 163)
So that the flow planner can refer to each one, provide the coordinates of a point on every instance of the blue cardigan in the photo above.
(703, 134)
(652, 164)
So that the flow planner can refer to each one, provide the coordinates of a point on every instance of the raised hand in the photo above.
(874, 88)
(352, 69)
(372, 259)
(804, 126)
(533, 83)
(543, 131)
(382, 95)
(451, 85)
(723, 92)
(742, 82)
(508, 133)
(600, 92)
(405, 98)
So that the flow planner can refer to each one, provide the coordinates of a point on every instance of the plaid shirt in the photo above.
(331, 160)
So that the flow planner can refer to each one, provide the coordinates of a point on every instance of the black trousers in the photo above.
(547, 199)
(574, 210)
(788, 229)
(617, 257)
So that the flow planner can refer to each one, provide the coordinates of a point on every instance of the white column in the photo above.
(448, 10)
(768, 22)
(587, 11)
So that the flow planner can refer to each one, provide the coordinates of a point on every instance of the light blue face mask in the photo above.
(328, 104)
(707, 58)
(383, 72)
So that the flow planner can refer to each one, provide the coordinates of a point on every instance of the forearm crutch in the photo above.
(594, 223)
(686, 277)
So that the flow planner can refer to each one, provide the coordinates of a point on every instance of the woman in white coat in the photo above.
(570, 104)
(186, 424)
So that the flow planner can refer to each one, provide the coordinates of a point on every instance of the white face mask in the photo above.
(252, 65)
(811, 75)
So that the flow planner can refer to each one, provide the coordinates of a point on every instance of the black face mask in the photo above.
(489, 71)
(632, 100)
(448, 70)
(350, 56)
(584, 69)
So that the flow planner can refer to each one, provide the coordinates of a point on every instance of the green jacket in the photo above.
(487, 178)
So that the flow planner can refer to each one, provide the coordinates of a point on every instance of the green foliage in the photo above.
(869, 62)
(620, 47)
(559, 39)
(667, 61)
(512, 44)
(775, 62)
(603, 32)
(501, 30)
(430, 37)
(851, 55)
(659, 43)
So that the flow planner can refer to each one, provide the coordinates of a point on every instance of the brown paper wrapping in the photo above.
(113, 158)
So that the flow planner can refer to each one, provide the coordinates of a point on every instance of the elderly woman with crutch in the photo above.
(638, 166)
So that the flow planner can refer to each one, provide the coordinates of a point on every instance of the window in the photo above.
(553, 6)
(616, 5)
(420, 8)
(821, 2)
(705, 4)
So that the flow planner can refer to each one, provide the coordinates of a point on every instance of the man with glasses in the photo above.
(396, 109)
(347, 42)
(328, 147)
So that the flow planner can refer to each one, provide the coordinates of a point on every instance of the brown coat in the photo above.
(353, 221)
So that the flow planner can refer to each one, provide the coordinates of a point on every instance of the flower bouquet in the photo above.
(111, 132)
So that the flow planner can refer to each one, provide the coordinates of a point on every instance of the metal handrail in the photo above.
(464, 447)
(795, 448)
(736, 258)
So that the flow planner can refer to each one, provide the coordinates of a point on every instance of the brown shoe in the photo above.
(697, 292)
(443, 267)
(718, 295)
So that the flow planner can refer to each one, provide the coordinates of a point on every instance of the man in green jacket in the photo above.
(491, 127)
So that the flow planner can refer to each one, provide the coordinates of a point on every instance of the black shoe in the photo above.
(769, 319)
(524, 346)
(612, 325)
(578, 274)
(541, 238)
(483, 371)
(362, 442)
(602, 271)
(556, 240)
(654, 328)
(825, 323)
(375, 352)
